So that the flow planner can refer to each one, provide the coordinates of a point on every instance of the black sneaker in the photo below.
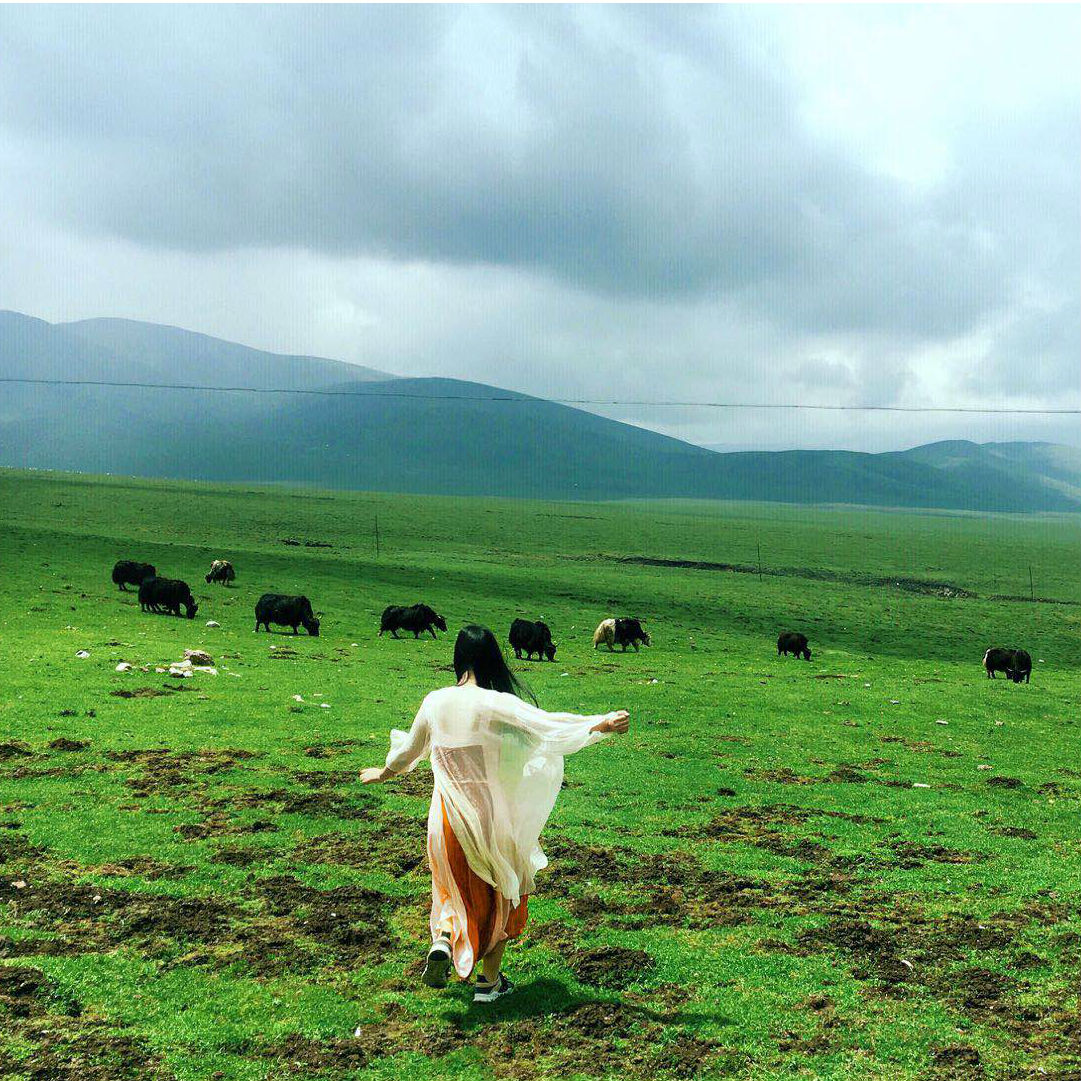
(438, 965)
(489, 992)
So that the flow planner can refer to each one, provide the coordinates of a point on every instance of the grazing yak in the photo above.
(530, 638)
(286, 612)
(167, 595)
(621, 632)
(417, 618)
(793, 642)
(128, 573)
(1021, 669)
(1016, 663)
(221, 571)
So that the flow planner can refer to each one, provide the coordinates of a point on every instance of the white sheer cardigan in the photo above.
(498, 766)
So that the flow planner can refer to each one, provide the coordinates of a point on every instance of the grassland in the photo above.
(753, 884)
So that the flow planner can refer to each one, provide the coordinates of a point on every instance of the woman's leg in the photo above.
(492, 962)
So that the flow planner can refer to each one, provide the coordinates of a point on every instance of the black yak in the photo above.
(1020, 669)
(1016, 663)
(128, 573)
(529, 638)
(793, 642)
(167, 595)
(286, 612)
(417, 618)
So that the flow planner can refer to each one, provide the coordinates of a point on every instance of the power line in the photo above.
(429, 396)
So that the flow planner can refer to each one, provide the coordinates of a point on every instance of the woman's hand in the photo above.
(374, 774)
(617, 722)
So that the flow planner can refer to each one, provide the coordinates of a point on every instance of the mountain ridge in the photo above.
(374, 431)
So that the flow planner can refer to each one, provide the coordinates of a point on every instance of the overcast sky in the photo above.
(857, 204)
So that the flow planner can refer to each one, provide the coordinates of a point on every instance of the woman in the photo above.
(498, 766)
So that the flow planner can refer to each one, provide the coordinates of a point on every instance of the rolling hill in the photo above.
(368, 430)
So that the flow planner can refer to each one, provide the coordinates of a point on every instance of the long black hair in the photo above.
(476, 650)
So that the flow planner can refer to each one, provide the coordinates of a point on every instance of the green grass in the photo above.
(792, 904)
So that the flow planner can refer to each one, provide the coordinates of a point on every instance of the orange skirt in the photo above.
(481, 901)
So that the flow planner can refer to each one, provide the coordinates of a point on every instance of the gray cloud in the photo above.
(562, 199)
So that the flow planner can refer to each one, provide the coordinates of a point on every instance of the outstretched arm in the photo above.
(406, 750)
(564, 733)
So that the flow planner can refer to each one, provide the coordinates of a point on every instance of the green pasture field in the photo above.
(866, 866)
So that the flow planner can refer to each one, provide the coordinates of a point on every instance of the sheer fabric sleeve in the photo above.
(408, 748)
(557, 733)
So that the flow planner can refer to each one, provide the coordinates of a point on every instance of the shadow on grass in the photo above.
(548, 997)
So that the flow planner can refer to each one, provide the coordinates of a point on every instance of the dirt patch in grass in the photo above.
(392, 852)
(957, 1060)
(164, 770)
(842, 773)
(671, 889)
(142, 692)
(323, 803)
(330, 750)
(597, 1039)
(236, 856)
(419, 784)
(24, 991)
(91, 918)
(977, 990)
(222, 826)
(906, 952)
(63, 1044)
(920, 746)
(611, 967)
(909, 854)
(760, 826)
(318, 778)
(15, 749)
(69, 745)
(784, 775)
(141, 866)
(350, 920)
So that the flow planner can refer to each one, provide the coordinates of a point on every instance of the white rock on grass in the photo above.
(917, 784)
(212, 623)
(123, 666)
(324, 705)
(297, 698)
(83, 654)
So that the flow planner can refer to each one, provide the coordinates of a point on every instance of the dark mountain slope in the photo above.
(432, 435)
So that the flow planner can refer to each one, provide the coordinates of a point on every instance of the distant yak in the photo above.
(793, 642)
(1016, 663)
(621, 632)
(529, 638)
(221, 571)
(286, 611)
(128, 573)
(167, 595)
(417, 618)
